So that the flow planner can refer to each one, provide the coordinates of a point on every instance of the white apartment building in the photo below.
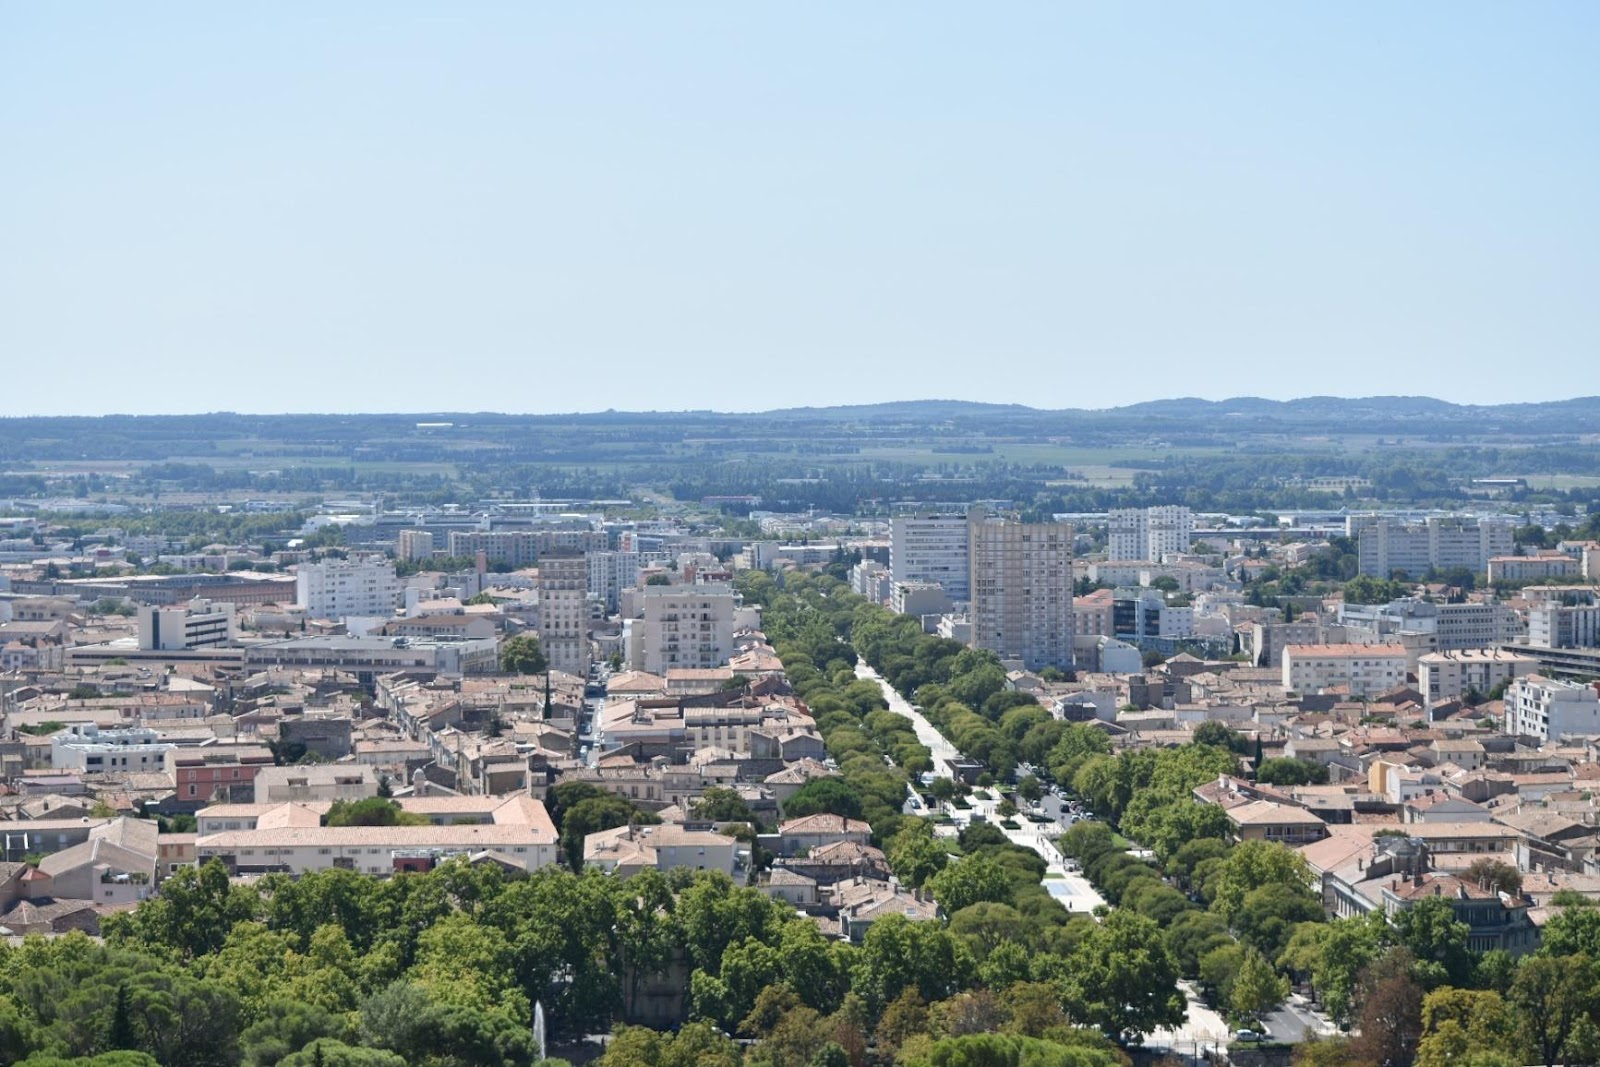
(336, 588)
(1143, 615)
(872, 580)
(1448, 675)
(1563, 616)
(1388, 545)
(1474, 624)
(1365, 670)
(564, 612)
(1149, 533)
(85, 747)
(918, 598)
(612, 572)
(927, 546)
(412, 545)
(1551, 710)
(195, 625)
(684, 626)
(1022, 590)
(523, 548)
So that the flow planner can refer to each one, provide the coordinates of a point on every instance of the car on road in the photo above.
(1248, 1035)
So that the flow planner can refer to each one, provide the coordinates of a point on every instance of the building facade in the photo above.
(927, 546)
(1363, 670)
(196, 625)
(337, 588)
(413, 545)
(685, 626)
(1550, 709)
(1448, 675)
(1021, 588)
(524, 548)
(1149, 533)
(1388, 545)
(564, 612)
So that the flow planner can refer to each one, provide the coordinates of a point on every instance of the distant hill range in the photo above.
(1320, 407)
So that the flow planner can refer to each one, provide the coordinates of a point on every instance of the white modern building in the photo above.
(929, 546)
(1448, 675)
(1022, 589)
(1149, 533)
(1389, 545)
(918, 598)
(683, 626)
(1144, 617)
(336, 588)
(1363, 670)
(1563, 616)
(1551, 710)
(522, 548)
(413, 545)
(85, 747)
(1473, 624)
(872, 580)
(612, 572)
(367, 657)
(195, 625)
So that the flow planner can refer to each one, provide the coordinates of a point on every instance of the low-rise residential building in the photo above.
(863, 903)
(291, 839)
(1453, 674)
(799, 836)
(1264, 820)
(204, 774)
(1540, 568)
(368, 657)
(317, 781)
(626, 850)
(115, 865)
(86, 747)
(1494, 920)
(1361, 670)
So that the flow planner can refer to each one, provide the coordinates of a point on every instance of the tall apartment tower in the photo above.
(684, 626)
(1022, 589)
(1150, 533)
(931, 546)
(564, 612)
(412, 545)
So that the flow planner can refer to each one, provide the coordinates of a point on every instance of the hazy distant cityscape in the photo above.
(737, 535)
(879, 727)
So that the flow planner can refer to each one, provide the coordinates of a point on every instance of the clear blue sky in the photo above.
(556, 207)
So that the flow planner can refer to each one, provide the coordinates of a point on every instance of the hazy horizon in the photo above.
(401, 208)
(507, 413)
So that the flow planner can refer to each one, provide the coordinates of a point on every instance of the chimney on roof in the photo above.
(1416, 876)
